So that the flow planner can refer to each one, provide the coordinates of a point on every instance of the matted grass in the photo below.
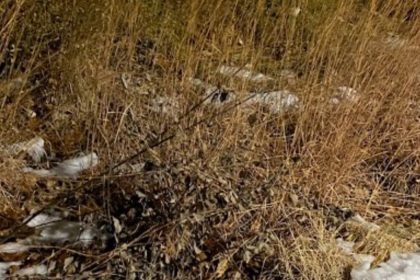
(245, 193)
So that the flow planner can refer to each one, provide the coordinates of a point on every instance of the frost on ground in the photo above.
(243, 73)
(68, 168)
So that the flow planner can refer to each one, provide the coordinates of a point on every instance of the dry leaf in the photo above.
(222, 267)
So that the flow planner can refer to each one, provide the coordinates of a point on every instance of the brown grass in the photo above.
(230, 197)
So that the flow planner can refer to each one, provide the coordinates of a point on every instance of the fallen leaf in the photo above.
(222, 267)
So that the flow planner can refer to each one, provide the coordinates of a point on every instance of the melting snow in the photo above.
(400, 266)
(218, 95)
(346, 246)
(61, 232)
(4, 266)
(40, 269)
(34, 148)
(13, 247)
(67, 168)
(344, 93)
(42, 219)
(243, 74)
(52, 230)
(277, 101)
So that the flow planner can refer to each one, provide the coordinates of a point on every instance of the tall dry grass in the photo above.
(252, 190)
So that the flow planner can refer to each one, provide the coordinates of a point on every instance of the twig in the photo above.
(110, 169)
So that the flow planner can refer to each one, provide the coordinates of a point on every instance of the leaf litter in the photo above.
(49, 229)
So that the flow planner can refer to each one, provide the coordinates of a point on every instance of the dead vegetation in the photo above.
(235, 192)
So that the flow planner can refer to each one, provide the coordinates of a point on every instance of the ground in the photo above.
(235, 139)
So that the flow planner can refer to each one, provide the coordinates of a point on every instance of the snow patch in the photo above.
(40, 269)
(400, 266)
(243, 74)
(346, 246)
(216, 95)
(13, 248)
(4, 267)
(63, 232)
(344, 93)
(42, 219)
(34, 148)
(278, 101)
(68, 168)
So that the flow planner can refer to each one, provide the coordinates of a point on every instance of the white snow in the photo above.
(243, 74)
(40, 269)
(88, 235)
(344, 93)
(34, 148)
(4, 266)
(218, 96)
(52, 230)
(65, 232)
(67, 168)
(346, 246)
(13, 247)
(278, 101)
(400, 266)
(42, 219)
(73, 167)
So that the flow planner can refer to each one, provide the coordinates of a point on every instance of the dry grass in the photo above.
(244, 194)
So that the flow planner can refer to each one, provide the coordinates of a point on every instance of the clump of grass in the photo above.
(223, 188)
